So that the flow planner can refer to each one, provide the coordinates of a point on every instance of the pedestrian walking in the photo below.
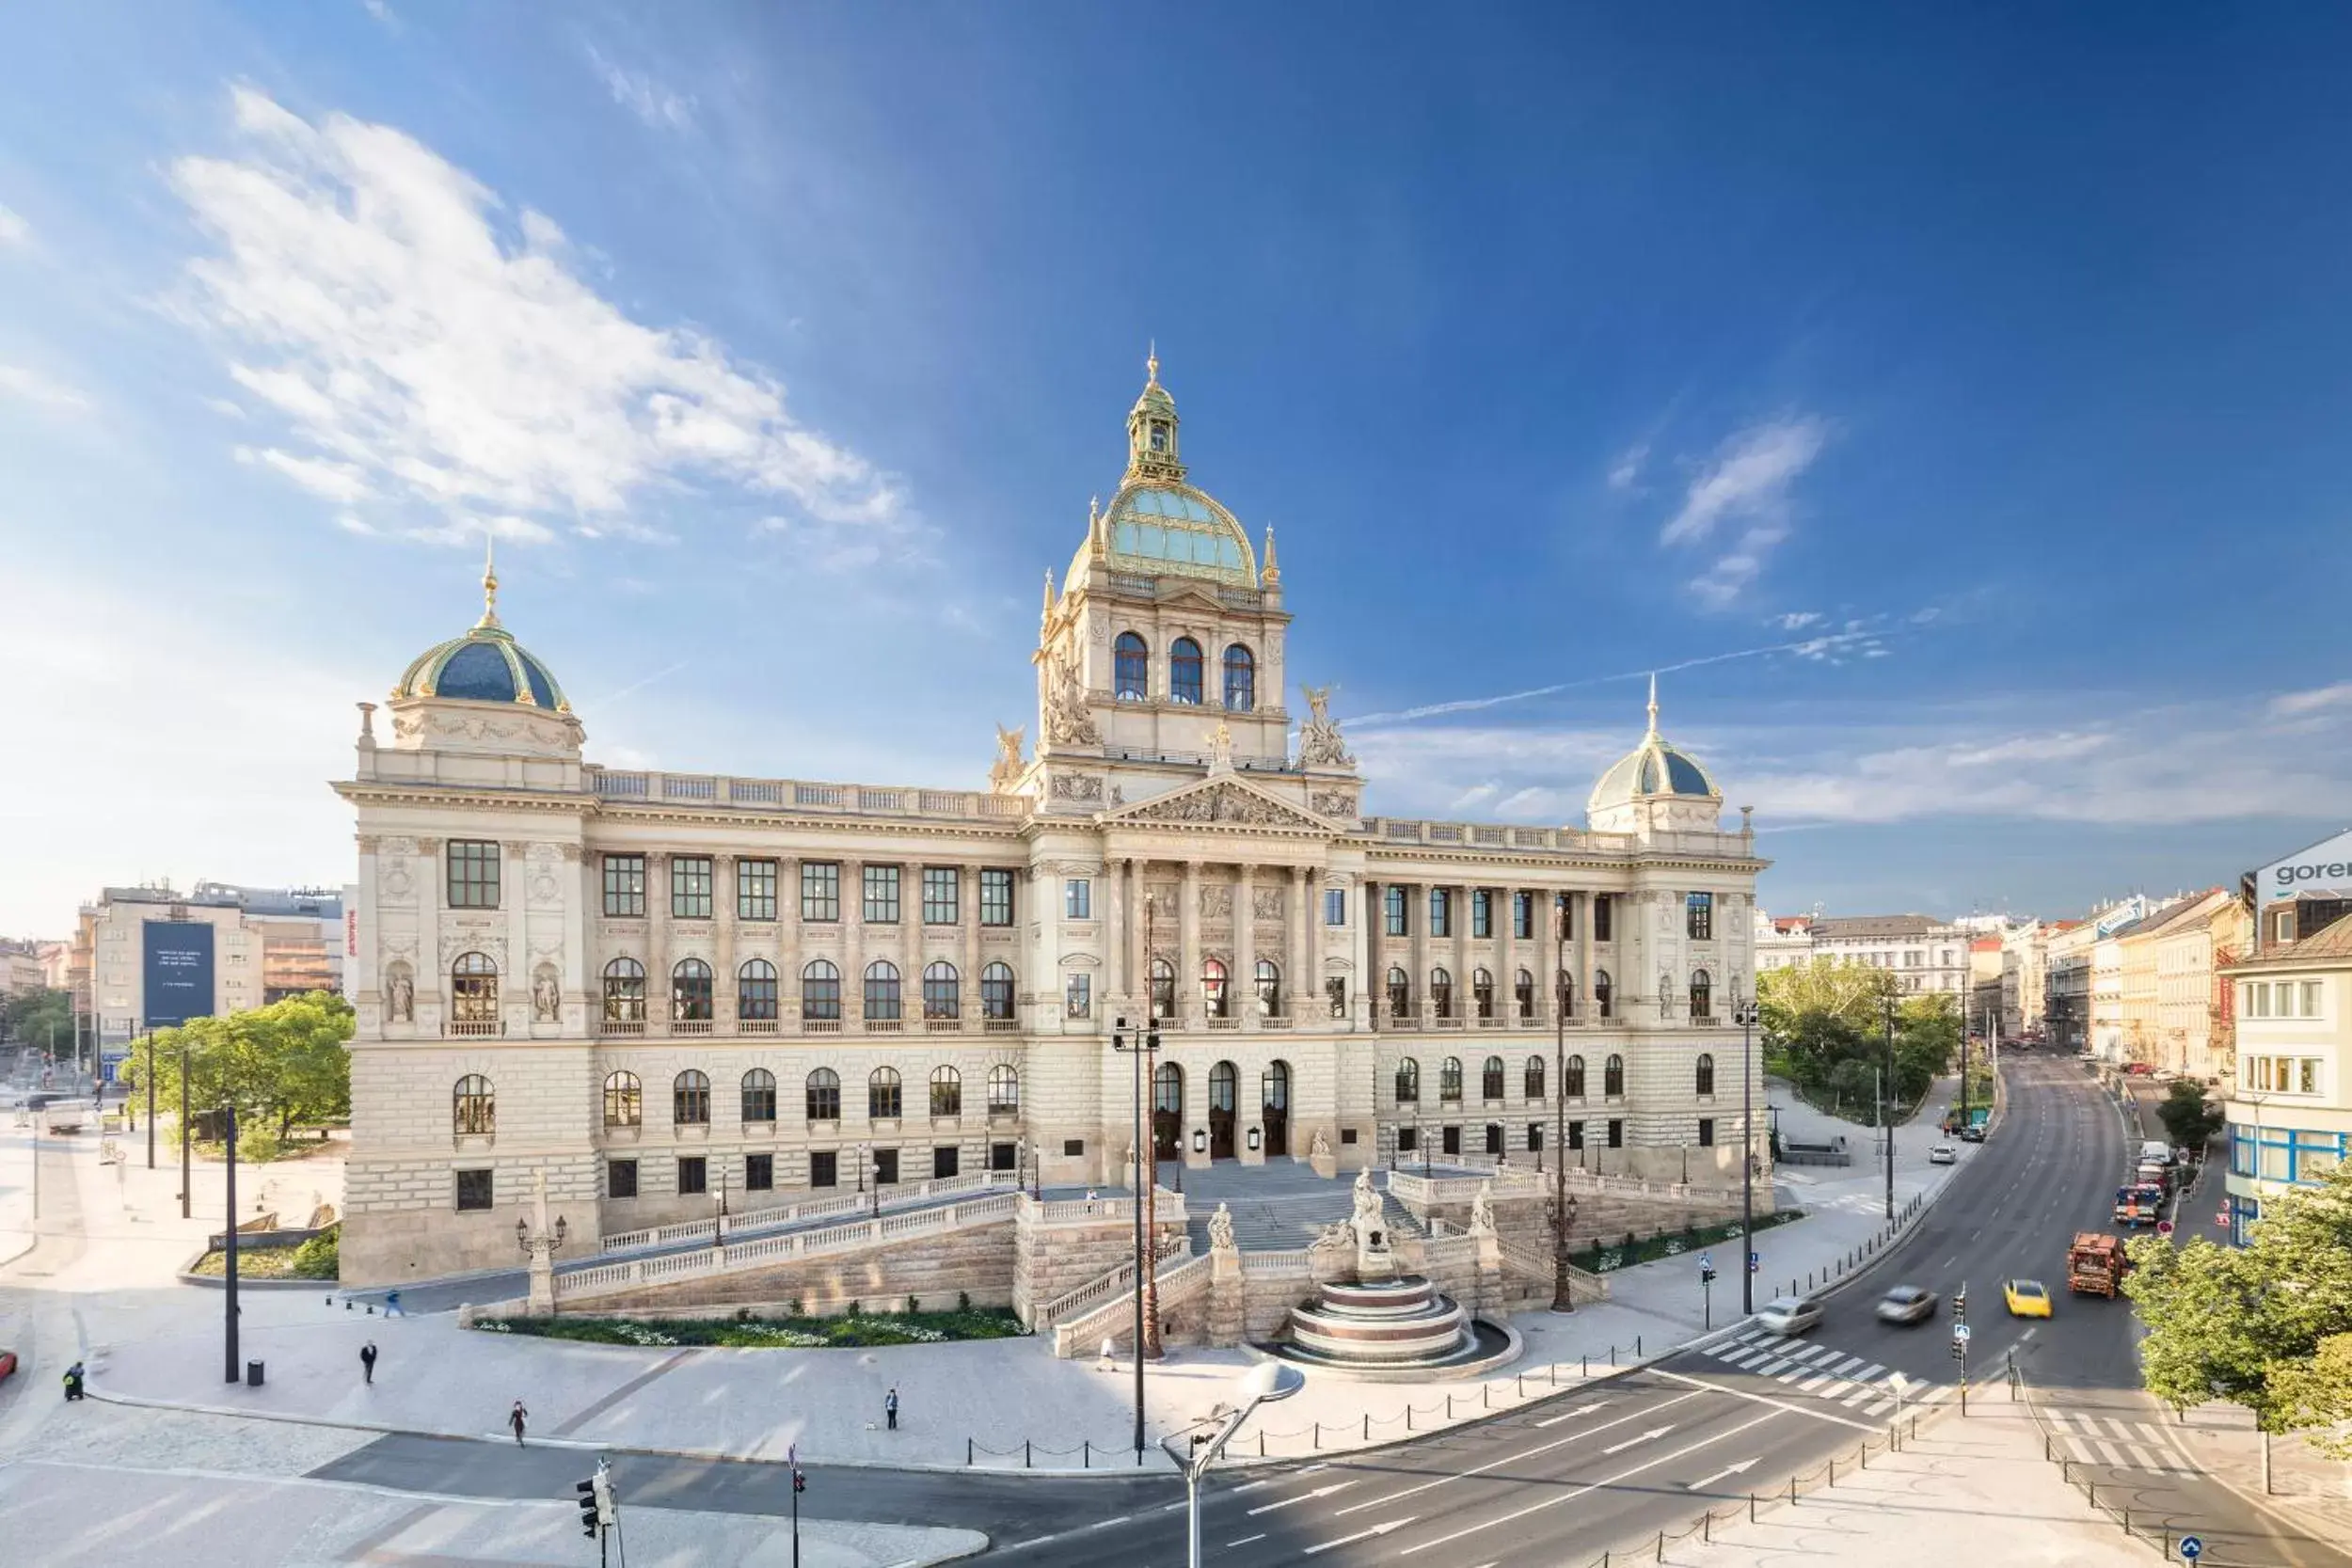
(890, 1408)
(367, 1360)
(514, 1419)
(392, 1307)
(73, 1382)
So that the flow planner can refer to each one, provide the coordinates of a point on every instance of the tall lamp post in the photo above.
(1146, 1040)
(1262, 1384)
(186, 1193)
(228, 1244)
(1745, 1012)
(1563, 1294)
(1886, 1115)
(151, 1101)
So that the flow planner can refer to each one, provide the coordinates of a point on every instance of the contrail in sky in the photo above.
(640, 686)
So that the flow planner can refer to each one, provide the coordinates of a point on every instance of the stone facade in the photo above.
(644, 982)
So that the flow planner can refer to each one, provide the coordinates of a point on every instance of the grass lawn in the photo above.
(908, 1328)
(1674, 1243)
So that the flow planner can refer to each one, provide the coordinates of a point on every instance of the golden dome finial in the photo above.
(489, 581)
(1152, 364)
(1273, 572)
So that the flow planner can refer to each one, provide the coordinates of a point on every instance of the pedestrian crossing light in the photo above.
(589, 1523)
(598, 1511)
(800, 1482)
(1960, 1305)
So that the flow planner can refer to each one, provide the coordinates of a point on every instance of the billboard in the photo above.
(2325, 864)
(177, 971)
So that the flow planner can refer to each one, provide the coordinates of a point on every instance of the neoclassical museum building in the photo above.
(660, 992)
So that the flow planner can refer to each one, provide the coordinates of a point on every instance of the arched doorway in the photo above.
(1167, 1112)
(1277, 1110)
(1224, 1085)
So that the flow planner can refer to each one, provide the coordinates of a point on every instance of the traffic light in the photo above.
(800, 1482)
(1960, 1305)
(1960, 1349)
(590, 1521)
(1707, 1277)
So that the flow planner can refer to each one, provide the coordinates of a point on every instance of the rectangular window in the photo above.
(1576, 1134)
(620, 1179)
(754, 890)
(1440, 911)
(945, 1158)
(995, 897)
(1335, 993)
(689, 887)
(1078, 899)
(885, 1167)
(1073, 1148)
(824, 1169)
(881, 895)
(1393, 907)
(624, 886)
(2307, 1075)
(2283, 926)
(1707, 1131)
(1699, 917)
(1004, 1156)
(473, 875)
(820, 890)
(2311, 998)
(1449, 1141)
(1407, 1140)
(1535, 1137)
(1603, 903)
(1335, 906)
(1079, 996)
(759, 1173)
(473, 1190)
(943, 895)
(693, 1175)
(1617, 1132)
(1523, 916)
(1482, 913)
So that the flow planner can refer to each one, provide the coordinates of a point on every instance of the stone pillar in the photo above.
(968, 919)
(788, 940)
(1417, 924)
(431, 1005)
(362, 966)
(1302, 980)
(1137, 996)
(583, 878)
(1228, 1295)
(1246, 945)
(657, 943)
(1372, 970)
(515, 975)
(1465, 1004)
(1546, 952)
(910, 947)
(1111, 981)
(723, 990)
(1581, 903)
(853, 946)
(1189, 945)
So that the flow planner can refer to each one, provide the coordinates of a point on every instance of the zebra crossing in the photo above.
(2117, 1442)
(1823, 1372)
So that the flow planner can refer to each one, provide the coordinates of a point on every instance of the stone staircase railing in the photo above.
(1583, 1285)
(1119, 1282)
(1521, 1180)
(752, 1221)
(637, 1273)
(1176, 1286)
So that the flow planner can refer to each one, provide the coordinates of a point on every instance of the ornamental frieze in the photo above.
(1225, 802)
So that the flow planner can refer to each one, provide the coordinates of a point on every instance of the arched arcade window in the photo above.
(689, 1098)
(820, 990)
(625, 991)
(942, 990)
(1491, 1076)
(1704, 1076)
(689, 991)
(823, 1091)
(1184, 671)
(755, 990)
(473, 989)
(1130, 664)
(1241, 679)
(1613, 1077)
(997, 991)
(882, 1101)
(760, 1094)
(474, 1106)
(623, 1100)
(881, 990)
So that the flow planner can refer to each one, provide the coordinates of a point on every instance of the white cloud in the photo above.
(13, 229)
(644, 97)
(2296, 705)
(1796, 620)
(32, 387)
(1745, 484)
(1626, 473)
(228, 409)
(413, 334)
(324, 478)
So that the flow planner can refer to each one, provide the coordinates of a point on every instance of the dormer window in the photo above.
(1159, 436)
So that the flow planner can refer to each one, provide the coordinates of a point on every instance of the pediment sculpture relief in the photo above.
(1224, 803)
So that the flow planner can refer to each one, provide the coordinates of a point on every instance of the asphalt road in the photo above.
(1606, 1467)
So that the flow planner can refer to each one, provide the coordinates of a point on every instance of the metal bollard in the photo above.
(1318, 1436)
(1793, 1491)
(1024, 1454)
(967, 1450)
(1751, 1507)
(1588, 1366)
(1636, 1347)
(1262, 1441)
(1486, 1395)
(1449, 1407)
(1085, 1453)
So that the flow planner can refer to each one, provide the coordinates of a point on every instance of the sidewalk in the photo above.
(2307, 1488)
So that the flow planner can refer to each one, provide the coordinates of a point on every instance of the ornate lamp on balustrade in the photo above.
(539, 1242)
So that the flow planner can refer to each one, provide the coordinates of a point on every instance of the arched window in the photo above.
(881, 990)
(946, 1092)
(1603, 991)
(1004, 1090)
(1400, 994)
(1450, 1078)
(1241, 679)
(821, 990)
(1441, 992)
(1523, 991)
(755, 990)
(1706, 1074)
(690, 991)
(1163, 988)
(824, 1095)
(1269, 989)
(760, 1094)
(882, 1094)
(1490, 1079)
(474, 1109)
(1168, 1090)
(1572, 1081)
(623, 1101)
(997, 991)
(1131, 668)
(624, 992)
(1702, 994)
(942, 992)
(1274, 1088)
(1564, 991)
(1613, 1077)
(1483, 991)
(1534, 1085)
(474, 990)
(1212, 988)
(1407, 1080)
(1184, 671)
(1224, 1088)
(689, 1098)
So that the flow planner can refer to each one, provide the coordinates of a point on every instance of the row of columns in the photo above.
(1128, 946)
(1547, 958)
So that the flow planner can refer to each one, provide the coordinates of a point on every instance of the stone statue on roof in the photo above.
(1320, 744)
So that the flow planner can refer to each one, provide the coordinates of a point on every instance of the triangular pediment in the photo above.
(1221, 801)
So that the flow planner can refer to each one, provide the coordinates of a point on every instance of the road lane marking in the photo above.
(1870, 1373)
(1301, 1497)
(1508, 1459)
(1579, 1410)
(1846, 1368)
(1812, 1382)
(1766, 1399)
(1860, 1397)
(1360, 1535)
(1637, 1442)
(1584, 1491)
(1243, 1541)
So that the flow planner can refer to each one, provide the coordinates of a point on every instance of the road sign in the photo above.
(1707, 1261)
(2191, 1549)
(1959, 1332)
(2221, 1220)
(2163, 1228)
(1756, 1261)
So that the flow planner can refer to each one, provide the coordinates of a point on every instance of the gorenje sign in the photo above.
(2328, 863)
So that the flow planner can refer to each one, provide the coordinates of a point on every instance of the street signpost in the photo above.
(1960, 1353)
(1707, 1292)
(2191, 1549)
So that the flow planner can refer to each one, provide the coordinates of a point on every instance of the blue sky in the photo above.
(1986, 371)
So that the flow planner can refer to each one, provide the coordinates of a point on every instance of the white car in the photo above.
(1791, 1314)
(1943, 1154)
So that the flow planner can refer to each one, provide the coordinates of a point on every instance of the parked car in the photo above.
(1974, 1135)
(2027, 1298)
(7, 1363)
(1906, 1303)
(1943, 1154)
(1791, 1314)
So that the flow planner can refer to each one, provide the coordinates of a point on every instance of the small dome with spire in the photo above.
(485, 665)
(1653, 770)
(1157, 524)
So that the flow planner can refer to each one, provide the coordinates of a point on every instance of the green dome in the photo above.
(485, 665)
(1655, 767)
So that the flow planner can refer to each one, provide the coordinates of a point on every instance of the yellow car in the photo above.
(2027, 1298)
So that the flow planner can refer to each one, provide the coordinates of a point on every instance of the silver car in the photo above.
(1791, 1314)
(1906, 1303)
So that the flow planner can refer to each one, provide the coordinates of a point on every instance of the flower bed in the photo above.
(749, 1333)
(1672, 1243)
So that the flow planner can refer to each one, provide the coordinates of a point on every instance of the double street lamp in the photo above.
(1145, 1042)
(1747, 1015)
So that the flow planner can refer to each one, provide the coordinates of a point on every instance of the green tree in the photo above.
(276, 1065)
(2267, 1326)
(37, 1017)
(2187, 1117)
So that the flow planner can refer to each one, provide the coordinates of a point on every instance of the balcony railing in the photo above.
(798, 795)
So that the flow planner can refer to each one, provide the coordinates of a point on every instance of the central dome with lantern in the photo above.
(484, 665)
(1156, 523)
(1655, 785)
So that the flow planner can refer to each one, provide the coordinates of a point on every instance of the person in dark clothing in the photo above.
(367, 1360)
(890, 1408)
(73, 1382)
(514, 1419)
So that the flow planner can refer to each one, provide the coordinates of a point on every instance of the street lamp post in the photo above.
(186, 1197)
(1563, 1294)
(1145, 1042)
(1886, 1113)
(151, 1101)
(229, 1246)
(1262, 1384)
(1747, 1013)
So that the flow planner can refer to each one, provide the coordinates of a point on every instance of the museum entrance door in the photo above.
(1167, 1112)
(1277, 1110)
(1224, 1081)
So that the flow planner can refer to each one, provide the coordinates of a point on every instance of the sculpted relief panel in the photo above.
(1225, 803)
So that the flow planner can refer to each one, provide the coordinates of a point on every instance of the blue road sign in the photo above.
(1707, 1260)
(2191, 1549)
(1756, 1261)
